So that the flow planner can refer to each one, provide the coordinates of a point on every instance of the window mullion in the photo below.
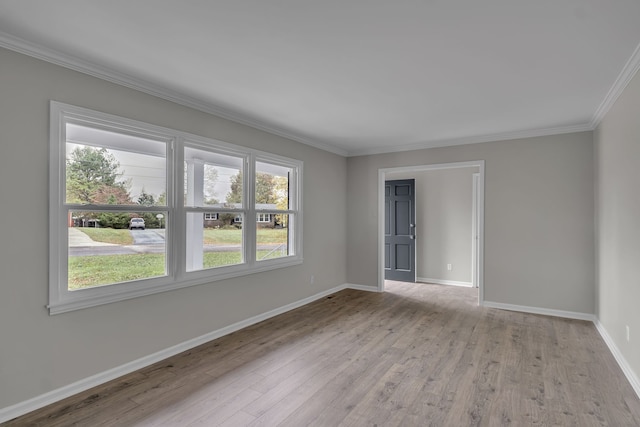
(293, 192)
(194, 225)
(174, 214)
(177, 201)
(249, 222)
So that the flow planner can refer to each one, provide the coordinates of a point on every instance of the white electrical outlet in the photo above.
(628, 335)
(449, 267)
(312, 279)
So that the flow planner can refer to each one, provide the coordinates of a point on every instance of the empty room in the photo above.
(319, 213)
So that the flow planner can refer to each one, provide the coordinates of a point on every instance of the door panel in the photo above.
(387, 256)
(403, 257)
(387, 217)
(400, 244)
(403, 218)
(403, 190)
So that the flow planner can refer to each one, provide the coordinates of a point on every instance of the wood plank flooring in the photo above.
(416, 355)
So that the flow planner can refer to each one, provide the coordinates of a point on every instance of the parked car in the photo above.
(136, 223)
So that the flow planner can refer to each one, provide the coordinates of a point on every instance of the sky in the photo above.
(143, 160)
(149, 172)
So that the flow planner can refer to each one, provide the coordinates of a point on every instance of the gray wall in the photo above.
(40, 353)
(443, 222)
(617, 141)
(539, 216)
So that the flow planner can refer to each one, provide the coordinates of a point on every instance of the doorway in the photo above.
(399, 230)
(477, 276)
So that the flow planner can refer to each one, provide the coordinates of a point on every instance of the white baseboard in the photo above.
(622, 362)
(445, 282)
(56, 395)
(361, 287)
(544, 311)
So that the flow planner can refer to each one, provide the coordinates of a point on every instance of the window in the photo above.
(274, 198)
(132, 206)
(263, 217)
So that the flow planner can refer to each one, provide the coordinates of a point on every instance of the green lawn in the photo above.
(219, 259)
(214, 236)
(108, 235)
(87, 271)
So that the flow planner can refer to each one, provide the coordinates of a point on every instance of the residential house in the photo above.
(216, 219)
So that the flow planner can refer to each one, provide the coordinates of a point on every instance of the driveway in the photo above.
(78, 239)
(147, 237)
(144, 241)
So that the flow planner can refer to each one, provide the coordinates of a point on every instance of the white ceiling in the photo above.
(353, 76)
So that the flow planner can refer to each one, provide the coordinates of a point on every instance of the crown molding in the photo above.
(105, 73)
(584, 127)
(628, 72)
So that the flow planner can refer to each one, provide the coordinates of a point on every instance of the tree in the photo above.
(264, 188)
(150, 220)
(105, 195)
(114, 219)
(162, 199)
(146, 199)
(235, 194)
(92, 177)
(210, 181)
(281, 191)
(270, 189)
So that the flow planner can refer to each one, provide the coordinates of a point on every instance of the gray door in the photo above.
(399, 230)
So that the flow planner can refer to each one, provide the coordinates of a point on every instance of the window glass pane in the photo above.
(109, 168)
(212, 179)
(213, 243)
(272, 238)
(272, 186)
(114, 247)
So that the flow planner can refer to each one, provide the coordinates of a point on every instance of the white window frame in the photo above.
(213, 216)
(62, 300)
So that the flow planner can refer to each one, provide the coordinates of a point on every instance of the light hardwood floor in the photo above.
(416, 355)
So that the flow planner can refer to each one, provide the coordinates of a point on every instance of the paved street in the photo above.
(145, 241)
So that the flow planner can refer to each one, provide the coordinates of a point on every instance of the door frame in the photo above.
(382, 173)
(474, 231)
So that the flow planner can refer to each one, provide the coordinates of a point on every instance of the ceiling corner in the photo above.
(629, 70)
